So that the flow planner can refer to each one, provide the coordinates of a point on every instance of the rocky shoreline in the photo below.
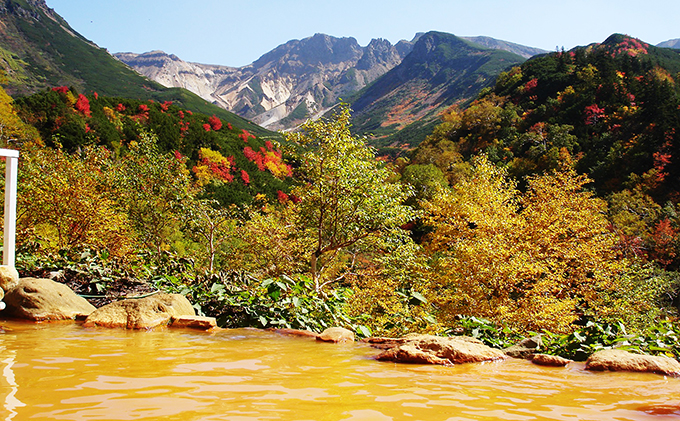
(37, 299)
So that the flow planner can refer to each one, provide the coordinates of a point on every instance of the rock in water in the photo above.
(144, 313)
(194, 322)
(43, 299)
(619, 360)
(9, 278)
(336, 335)
(429, 349)
(549, 360)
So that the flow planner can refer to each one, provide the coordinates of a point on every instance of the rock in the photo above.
(43, 299)
(619, 360)
(549, 360)
(9, 278)
(384, 343)
(525, 348)
(296, 332)
(144, 313)
(336, 335)
(429, 349)
(194, 322)
(2, 294)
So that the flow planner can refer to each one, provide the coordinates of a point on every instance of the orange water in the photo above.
(66, 372)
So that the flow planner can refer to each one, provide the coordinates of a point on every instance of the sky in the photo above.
(236, 33)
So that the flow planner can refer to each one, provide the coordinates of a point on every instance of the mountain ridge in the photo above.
(296, 80)
(39, 50)
(293, 81)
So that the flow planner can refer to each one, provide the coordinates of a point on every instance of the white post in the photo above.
(11, 169)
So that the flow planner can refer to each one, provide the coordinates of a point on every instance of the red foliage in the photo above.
(215, 122)
(206, 127)
(531, 85)
(664, 238)
(229, 126)
(96, 95)
(87, 128)
(61, 89)
(120, 108)
(245, 177)
(245, 135)
(282, 197)
(178, 156)
(143, 108)
(180, 113)
(593, 114)
(83, 105)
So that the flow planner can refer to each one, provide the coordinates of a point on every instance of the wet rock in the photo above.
(619, 360)
(9, 278)
(428, 349)
(194, 322)
(43, 299)
(384, 343)
(549, 360)
(144, 313)
(296, 332)
(336, 335)
(524, 349)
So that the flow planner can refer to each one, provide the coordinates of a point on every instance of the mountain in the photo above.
(298, 79)
(39, 50)
(521, 50)
(401, 107)
(673, 43)
(611, 108)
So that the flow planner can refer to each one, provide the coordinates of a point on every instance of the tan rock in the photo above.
(336, 335)
(524, 349)
(2, 294)
(296, 332)
(549, 360)
(44, 299)
(9, 277)
(194, 322)
(428, 349)
(619, 360)
(144, 313)
(383, 342)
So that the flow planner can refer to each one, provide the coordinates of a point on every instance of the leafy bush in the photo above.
(661, 339)
(237, 299)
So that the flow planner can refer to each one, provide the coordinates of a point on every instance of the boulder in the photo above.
(144, 313)
(43, 299)
(9, 278)
(194, 322)
(525, 348)
(384, 343)
(549, 360)
(429, 349)
(619, 360)
(336, 335)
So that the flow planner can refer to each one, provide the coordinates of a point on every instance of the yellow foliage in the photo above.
(527, 260)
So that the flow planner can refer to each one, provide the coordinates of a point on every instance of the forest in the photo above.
(548, 205)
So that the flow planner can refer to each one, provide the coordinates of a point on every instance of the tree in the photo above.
(154, 187)
(12, 129)
(535, 260)
(345, 199)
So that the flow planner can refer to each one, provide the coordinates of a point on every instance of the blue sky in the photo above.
(236, 33)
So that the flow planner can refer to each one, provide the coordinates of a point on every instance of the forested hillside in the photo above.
(611, 110)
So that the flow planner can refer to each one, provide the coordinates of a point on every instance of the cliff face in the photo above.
(296, 80)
